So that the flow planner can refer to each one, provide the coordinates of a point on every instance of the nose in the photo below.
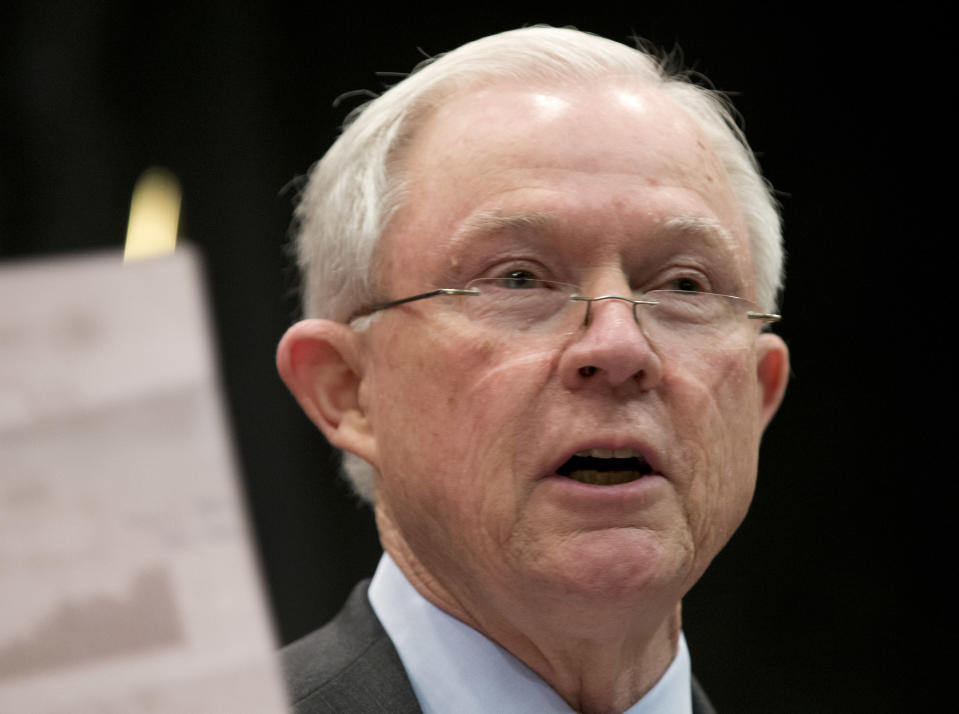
(611, 350)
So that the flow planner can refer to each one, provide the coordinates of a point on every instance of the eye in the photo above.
(518, 280)
(687, 284)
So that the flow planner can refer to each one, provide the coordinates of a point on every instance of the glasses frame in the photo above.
(767, 317)
(751, 314)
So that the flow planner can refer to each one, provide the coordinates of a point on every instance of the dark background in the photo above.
(813, 605)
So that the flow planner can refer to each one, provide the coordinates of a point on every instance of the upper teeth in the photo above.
(610, 453)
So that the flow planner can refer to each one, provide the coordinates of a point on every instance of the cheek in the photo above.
(718, 432)
(423, 369)
(452, 378)
(450, 412)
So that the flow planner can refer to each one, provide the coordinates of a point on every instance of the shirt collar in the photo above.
(452, 667)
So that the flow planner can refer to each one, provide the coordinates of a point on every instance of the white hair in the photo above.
(353, 191)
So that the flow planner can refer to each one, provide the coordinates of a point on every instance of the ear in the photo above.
(321, 363)
(772, 369)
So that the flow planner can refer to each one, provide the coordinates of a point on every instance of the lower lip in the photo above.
(577, 494)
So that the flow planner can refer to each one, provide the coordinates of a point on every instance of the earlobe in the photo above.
(321, 364)
(772, 369)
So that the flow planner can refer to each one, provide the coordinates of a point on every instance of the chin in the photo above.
(616, 566)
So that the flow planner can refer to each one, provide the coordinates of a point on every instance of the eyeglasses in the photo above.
(527, 305)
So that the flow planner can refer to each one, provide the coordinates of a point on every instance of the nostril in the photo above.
(587, 371)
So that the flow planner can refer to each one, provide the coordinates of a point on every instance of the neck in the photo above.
(600, 657)
(605, 672)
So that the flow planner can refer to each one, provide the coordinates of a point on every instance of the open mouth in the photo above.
(605, 467)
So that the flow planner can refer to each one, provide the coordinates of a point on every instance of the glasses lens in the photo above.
(691, 308)
(520, 304)
(686, 315)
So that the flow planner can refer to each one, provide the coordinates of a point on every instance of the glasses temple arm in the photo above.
(422, 296)
(765, 316)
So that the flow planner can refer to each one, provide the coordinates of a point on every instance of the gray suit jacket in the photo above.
(351, 666)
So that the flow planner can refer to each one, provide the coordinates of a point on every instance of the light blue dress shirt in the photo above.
(453, 668)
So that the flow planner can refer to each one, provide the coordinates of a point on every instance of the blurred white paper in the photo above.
(127, 580)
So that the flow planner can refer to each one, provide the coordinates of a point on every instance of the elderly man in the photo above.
(537, 273)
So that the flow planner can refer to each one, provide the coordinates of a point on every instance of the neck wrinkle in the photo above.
(602, 677)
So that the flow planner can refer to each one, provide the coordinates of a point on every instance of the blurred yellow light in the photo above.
(154, 215)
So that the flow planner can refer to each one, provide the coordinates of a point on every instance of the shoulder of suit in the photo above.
(325, 653)
(349, 664)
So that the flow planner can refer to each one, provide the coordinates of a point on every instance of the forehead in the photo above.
(601, 158)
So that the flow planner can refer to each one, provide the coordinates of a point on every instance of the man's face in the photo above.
(612, 189)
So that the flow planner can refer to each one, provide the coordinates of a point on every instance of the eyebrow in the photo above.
(707, 229)
(492, 223)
